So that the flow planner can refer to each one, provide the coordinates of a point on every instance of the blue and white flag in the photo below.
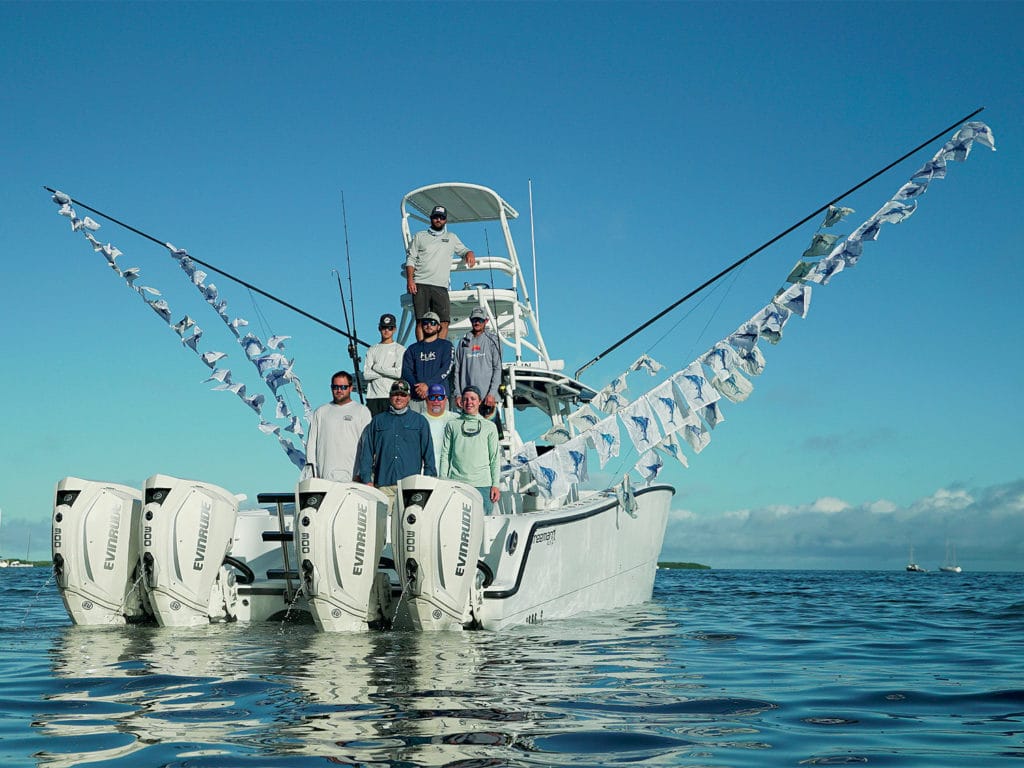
(583, 419)
(638, 419)
(712, 415)
(735, 386)
(606, 439)
(752, 363)
(796, 298)
(744, 338)
(695, 433)
(551, 477)
(694, 387)
(608, 401)
(672, 447)
(770, 321)
(720, 360)
(668, 405)
(646, 363)
(648, 467)
(825, 270)
(574, 459)
(521, 459)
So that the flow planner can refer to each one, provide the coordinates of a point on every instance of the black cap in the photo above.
(439, 210)
(386, 320)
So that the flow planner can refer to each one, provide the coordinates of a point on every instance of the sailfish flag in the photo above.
(723, 370)
(153, 298)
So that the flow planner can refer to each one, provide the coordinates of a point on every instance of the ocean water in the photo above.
(722, 668)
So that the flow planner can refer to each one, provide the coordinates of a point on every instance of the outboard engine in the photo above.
(340, 529)
(436, 533)
(186, 530)
(95, 548)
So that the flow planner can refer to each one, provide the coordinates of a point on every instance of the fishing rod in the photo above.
(352, 349)
(219, 271)
(775, 239)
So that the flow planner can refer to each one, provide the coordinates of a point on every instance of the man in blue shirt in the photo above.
(427, 362)
(396, 444)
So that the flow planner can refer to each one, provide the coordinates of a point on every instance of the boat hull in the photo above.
(589, 556)
(594, 554)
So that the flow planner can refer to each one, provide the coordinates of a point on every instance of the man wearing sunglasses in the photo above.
(427, 362)
(437, 413)
(383, 366)
(334, 433)
(428, 268)
(397, 444)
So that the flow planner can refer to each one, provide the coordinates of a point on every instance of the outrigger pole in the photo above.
(353, 351)
(228, 275)
(775, 239)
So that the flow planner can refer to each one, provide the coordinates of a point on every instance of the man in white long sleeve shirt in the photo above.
(334, 433)
(383, 366)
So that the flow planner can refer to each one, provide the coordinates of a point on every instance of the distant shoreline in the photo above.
(686, 566)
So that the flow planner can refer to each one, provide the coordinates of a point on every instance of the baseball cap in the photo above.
(386, 320)
(436, 389)
(439, 210)
(478, 313)
(431, 316)
(400, 387)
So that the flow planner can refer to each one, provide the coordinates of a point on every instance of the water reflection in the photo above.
(140, 686)
(592, 686)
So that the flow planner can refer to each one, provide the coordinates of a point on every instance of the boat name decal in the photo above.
(204, 536)
(357, 568)
(460, 567)
(110, 557)
(545, 537)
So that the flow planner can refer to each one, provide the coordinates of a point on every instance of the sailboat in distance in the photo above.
(950, 565)
(911, 565)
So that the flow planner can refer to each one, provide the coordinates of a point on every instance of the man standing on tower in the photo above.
(428, 268)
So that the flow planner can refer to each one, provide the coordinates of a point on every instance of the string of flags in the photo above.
(682, 410)
(274, 369)
(678, 413)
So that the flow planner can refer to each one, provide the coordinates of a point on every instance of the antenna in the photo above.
(533, 249)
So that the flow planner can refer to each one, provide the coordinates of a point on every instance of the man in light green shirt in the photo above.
(470, 450)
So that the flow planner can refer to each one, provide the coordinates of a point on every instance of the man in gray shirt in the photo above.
(428, 267)
(478, 360)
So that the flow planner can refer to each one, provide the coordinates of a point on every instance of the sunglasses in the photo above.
(476, 320)
(436, 398)
(429, 322)
(386, 328)
(341, 386)
(442, 218)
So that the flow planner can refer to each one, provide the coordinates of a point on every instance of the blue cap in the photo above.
(436, 389)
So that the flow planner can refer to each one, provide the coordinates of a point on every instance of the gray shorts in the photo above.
(432, 298)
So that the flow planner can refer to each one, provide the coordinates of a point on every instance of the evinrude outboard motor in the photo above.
(186, 530)
(95, 548)
(436, 533)
(340, 529)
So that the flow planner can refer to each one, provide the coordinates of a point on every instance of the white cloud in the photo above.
(986, 525)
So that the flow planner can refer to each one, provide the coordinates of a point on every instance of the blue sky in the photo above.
(664, 141)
